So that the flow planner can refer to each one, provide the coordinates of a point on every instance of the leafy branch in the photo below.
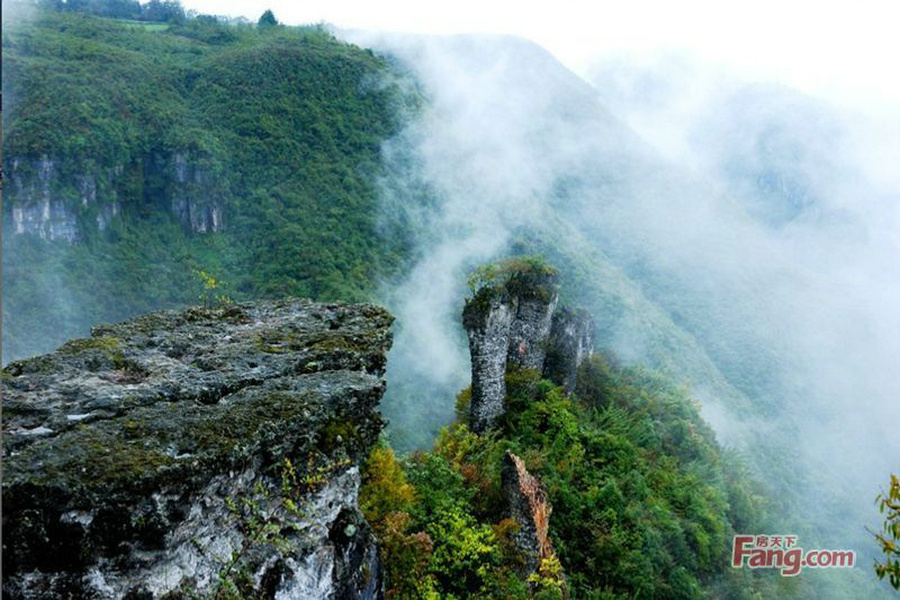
(889, 540)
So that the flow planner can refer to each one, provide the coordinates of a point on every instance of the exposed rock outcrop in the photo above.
(537, 295)
(37, 207)
(195, 198)
(487, 319)
(515, 322)
(176, 451)
(530, 509)
(55, 200)
(571, 340)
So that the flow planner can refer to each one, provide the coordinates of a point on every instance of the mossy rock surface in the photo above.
(109, 441)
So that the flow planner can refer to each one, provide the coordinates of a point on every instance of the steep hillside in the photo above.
(764, 324)
(144, 156)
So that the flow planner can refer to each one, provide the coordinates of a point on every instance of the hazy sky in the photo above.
(844, 50)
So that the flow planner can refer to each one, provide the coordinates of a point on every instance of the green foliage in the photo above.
(508, 271)
(385, 489)
(889, 538)
(211, 293)
(126, 10)
(267, 19)
(386, 499)
(431, 544)
(644, 501)
(406, 558)
(548, 580)
(282, 127)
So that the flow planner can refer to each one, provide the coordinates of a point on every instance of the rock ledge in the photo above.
(137, 461)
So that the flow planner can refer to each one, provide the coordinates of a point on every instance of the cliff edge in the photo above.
(184, 454)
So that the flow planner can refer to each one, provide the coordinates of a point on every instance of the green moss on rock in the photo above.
(86, 444)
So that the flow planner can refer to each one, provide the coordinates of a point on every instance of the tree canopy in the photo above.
(267, 19)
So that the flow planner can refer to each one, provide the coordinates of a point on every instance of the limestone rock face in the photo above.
(176, 451)
(516, 324)
(56, 200)
(487, 319)
(37, 208)
(195, 198)
(531, 326)
(571, 341)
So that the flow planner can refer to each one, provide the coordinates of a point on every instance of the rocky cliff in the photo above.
(529, 508)
(185, 454)
(569, 342)
(196, 197)
(536, 296)
(513, 322)
(487, 319)
(55, 199)
(36, 206)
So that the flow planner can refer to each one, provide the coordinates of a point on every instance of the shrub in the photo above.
(384, 487)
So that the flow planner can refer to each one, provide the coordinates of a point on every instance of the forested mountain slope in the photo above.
(135, 157)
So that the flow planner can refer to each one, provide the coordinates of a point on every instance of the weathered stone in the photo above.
(530, 509)
(55, 200)
(37, 208)
(538, 294)
(196, 200)
(571, 341)
(487, 318)
(507, 322)
(128, 456)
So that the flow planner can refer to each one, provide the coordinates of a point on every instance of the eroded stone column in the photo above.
(537, 298)
(487, 318)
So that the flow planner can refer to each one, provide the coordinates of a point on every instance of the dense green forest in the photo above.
(282, 124)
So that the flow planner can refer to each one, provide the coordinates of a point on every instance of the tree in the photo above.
(889, 539)
(166, 11)
(267, 20)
